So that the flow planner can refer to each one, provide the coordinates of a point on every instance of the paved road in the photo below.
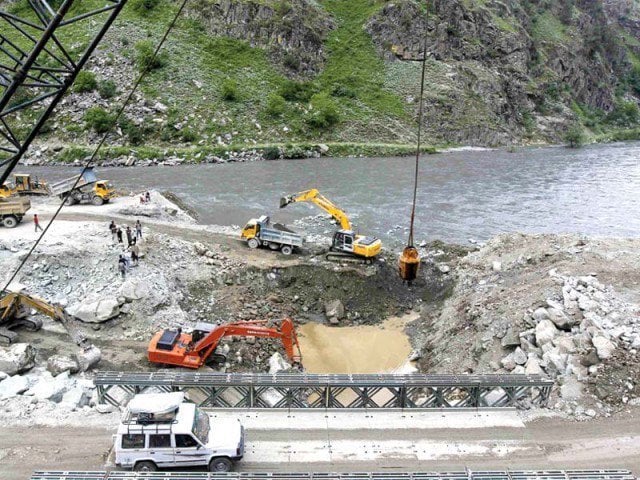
(334, 444)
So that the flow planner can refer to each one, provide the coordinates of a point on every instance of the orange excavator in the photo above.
(191, 350)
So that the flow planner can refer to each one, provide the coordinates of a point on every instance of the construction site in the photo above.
(139, 341)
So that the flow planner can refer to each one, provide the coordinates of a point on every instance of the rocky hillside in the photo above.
(283, 76)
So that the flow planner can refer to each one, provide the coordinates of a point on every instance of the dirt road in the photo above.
(542, 444)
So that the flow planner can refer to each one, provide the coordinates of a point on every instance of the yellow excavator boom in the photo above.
(321, 201)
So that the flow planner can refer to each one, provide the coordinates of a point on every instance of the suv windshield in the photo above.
(201, 426)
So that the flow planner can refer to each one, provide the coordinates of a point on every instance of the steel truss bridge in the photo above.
(304, 391)
(463, 475)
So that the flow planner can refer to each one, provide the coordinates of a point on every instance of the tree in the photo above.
(575, 136)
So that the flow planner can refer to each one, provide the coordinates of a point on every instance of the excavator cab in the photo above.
(343, 241)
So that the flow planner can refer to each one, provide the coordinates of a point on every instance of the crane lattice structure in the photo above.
(40, 57)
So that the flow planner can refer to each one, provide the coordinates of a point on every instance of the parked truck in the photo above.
(87, 190)
(260, 232)
(12, 210)
(161, 430)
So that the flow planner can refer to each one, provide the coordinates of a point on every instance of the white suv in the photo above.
(163, 431)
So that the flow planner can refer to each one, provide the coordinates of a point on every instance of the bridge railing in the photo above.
(305, 391)
(461, 475)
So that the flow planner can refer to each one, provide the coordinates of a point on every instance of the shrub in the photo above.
(342, 91)
(85, 82)
(134, 134)
(188, 135)
(145, 59)
(144, 6)
(575, 136)
(296, 91)
(230, 90)
(271, 153)
(99, 120)
(107, 89)
(624, 114)
(275, 105)
(324, 112)
(291, 61)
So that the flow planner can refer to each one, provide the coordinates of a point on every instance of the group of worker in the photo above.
(125, 262)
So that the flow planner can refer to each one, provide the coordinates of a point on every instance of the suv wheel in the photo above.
(220, 464)
(145, 467)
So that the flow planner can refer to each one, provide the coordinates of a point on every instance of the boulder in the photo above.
(565, 344)
(76, 397)
(278, 364)
(560, 319)
(519, 356)
(604, 347)
(533, 366)
(334, 309)
(496, 266)
(511, 339)
(571, 389)
(50, 388)
(57, 364)
(105, 408)
(17, 358)
(134, 289)
(98, 311)
(545, 332)
(12, 386)
(555, 362)
(590, 359)
(508, 363)
(88, 358)
(540, 314)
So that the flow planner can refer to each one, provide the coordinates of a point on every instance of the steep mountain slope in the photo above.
(241, 74)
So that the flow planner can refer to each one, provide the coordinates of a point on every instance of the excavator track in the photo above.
(7, 337)
(348, 257)
(28, 323)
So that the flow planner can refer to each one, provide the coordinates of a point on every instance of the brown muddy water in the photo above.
(380, 348)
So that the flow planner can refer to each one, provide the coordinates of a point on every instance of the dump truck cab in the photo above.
(251, 229)
(104, 190)
(162, 430)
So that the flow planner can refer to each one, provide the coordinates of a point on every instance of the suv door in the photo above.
(160, 449)
(189, 452)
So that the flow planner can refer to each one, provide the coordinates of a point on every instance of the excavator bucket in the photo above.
(409, 263)
(284, 201)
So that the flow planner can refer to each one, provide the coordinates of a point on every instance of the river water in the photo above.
(462, 195)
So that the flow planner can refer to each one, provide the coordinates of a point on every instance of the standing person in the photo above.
(138, 229)
(142, 199)
(122, 265)
(135, 252)
(147, 196)
(114, 231)
(36, 222)
(129, 236)
(119, 234)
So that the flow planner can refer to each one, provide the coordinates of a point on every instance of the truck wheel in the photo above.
(70, 201)
(220, 464)
(145, 467)
(274, 246)
(97, 201)
(253, 243)
(10, 221)
(287, 249)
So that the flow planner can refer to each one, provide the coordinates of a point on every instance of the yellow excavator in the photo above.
(14, 312)
(346, 245)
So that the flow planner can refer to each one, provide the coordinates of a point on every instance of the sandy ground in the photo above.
(388, 443)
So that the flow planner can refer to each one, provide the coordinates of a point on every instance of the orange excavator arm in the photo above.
(256, 328)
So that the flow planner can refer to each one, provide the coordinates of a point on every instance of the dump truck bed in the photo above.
(14, 206)
(283, 237)
(66, 185)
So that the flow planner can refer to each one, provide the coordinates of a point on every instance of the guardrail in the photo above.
(464, 475)
(294, 391)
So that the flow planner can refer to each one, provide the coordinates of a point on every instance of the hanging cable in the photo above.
(89, 162)
(410, 258)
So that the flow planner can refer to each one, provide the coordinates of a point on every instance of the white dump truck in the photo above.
(161, 430)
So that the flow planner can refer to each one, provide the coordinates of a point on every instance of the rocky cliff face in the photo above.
(519, 64)
(293, 32)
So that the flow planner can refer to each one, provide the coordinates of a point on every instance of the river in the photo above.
(462, 195)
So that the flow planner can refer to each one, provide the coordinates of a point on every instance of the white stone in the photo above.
(545, 332)
(519, 356)
(12, 386)
(17, 358)
(98, 311)
(334, 309)
(50, 388)
(134, 289)
(277, 364)
(604, 347)
(56, 364)
(540, 314)
(496, 266)
(533, 366)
